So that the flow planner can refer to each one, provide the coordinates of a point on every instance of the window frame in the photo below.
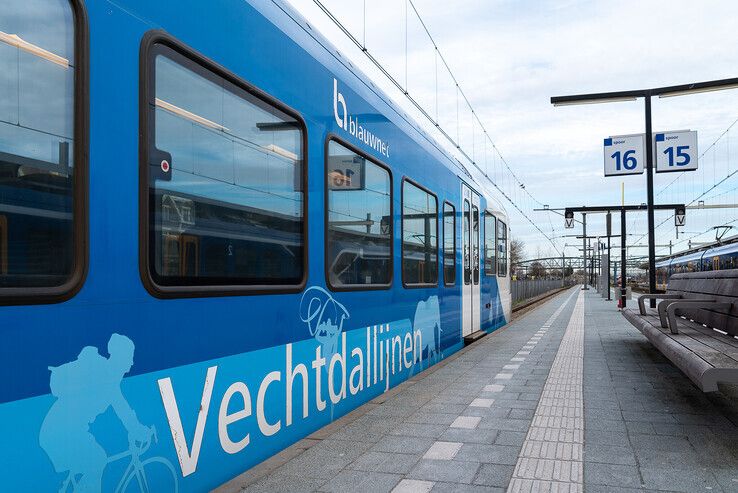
(493, 217)
(506, 256)
(147, 85)
(405, 284)
(333, 137)
(80, 180)
(443, 248)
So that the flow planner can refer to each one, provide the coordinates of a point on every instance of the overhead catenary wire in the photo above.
(435, 121)
(705, 189)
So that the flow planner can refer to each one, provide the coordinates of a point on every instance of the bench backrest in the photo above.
(721, 285)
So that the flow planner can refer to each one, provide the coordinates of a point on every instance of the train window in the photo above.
(467, 257)
(502, 252)
(359, 220)
(225, 181)
(490, 244)
(726, 261)
(419, 236)
(449, 244)
(41, 134)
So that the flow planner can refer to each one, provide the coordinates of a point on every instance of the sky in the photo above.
(510, 56)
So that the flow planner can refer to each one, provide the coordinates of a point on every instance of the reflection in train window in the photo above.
(419, 236)
(449, 244)
(502, 251)
(490, 244)
(37, 70)
(181, 255)
(359, 229)
(225, 182)
(3, 245)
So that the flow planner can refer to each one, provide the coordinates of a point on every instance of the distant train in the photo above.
(216, 236)
(720, 257)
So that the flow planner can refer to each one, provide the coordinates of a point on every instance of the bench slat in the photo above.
(718, 342)
(712, 356)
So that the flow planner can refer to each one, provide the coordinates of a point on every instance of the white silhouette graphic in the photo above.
(427, 320)
(84, 389)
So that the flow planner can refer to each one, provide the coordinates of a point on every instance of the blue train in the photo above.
(717, 257)
(216, 236)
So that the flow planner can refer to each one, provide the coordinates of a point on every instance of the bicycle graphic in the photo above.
(137, 472)
(324, 317)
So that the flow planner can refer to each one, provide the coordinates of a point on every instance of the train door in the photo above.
(476, 257)
(470, 249)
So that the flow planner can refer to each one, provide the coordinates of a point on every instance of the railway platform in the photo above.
(568, 397)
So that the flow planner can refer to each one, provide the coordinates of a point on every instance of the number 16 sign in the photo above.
(625, 155)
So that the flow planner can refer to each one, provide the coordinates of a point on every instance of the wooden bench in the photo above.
(695, 325)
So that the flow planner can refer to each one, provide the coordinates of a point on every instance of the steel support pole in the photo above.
(609, 259)
(649, 184)
(609, 232)
(584, 249)
(622, 258)
(598, 267)
(591, 263)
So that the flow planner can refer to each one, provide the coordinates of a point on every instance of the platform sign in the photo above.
(625, 155)
(568, 219)
(675, 151)
(680, 218)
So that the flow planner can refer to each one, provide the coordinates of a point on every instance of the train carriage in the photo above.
(721, 257)
(216, 236)
(716, 257)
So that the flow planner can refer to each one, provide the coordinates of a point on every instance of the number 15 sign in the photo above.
(675, 151)
(625, 155)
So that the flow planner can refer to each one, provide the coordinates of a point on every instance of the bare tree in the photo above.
(517, 251)
(537, 270)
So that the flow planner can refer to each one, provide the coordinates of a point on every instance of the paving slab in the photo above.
(445, 471)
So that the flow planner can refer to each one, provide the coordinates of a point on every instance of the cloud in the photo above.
(511, 56)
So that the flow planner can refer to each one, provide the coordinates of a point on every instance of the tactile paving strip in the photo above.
(551, 457)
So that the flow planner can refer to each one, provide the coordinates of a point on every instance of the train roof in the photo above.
(663, 263)
(688, 258)
(722, 249)
(726, 245)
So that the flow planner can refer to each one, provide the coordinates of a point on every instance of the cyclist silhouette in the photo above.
(84, 389)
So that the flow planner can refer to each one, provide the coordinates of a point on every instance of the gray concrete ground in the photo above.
(506, 414)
